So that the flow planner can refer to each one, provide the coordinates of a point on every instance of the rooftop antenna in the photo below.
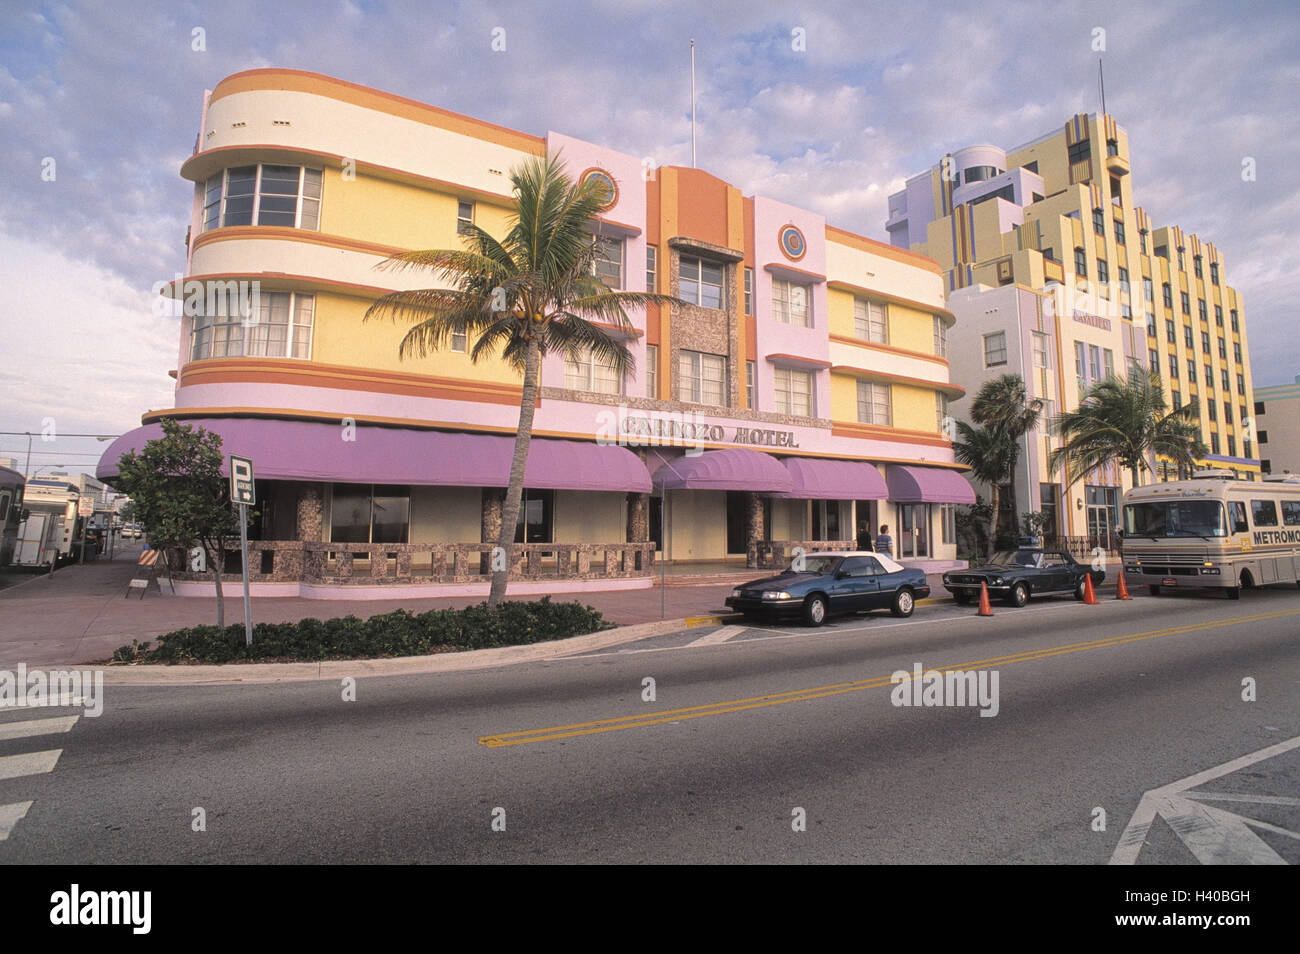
(692, 103)
(1101, 80)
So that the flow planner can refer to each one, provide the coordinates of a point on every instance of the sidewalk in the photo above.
(80, 615)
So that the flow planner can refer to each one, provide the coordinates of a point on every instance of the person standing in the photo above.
(884, 542)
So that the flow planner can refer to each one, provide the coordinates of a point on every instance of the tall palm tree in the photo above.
(527, 295)
(991, 458)
(1003, 404)
(1126, 421)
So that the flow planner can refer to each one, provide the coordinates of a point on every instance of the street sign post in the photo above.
(243, 493)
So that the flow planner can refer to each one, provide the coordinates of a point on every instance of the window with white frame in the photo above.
(940, 337)
(871, 320)
(464, 217)
(940, 410)
(873, 403)
(751, 385)
(651, 268)
(589, 372)
(280, 328)
(749, 291)
(701, 378)
(701, 282)
(652, 371)
(1041, 359)
(793, 392)
(995, 349)
(459, 342)
(790, 303)
(948, 520)
(263, 194)
(609, 261)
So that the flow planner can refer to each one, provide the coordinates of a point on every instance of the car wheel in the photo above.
(1019, 595)
(814, 610)
(1153, 589)
(1079, 593)
(903, 603)
(961, 598)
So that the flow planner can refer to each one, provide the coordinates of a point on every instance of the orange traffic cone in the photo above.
(985, 609)
(1121, 590)
(1089, 595)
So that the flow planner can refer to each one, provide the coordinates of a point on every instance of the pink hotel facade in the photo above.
(797, 397)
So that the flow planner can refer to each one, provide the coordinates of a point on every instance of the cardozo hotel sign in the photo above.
(632, 428)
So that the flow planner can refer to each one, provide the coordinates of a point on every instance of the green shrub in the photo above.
(398, 633)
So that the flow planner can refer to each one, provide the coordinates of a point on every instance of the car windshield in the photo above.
(1175, 518)
(1015, 558)
(818, 565)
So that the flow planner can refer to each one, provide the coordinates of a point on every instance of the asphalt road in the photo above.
(1096, 705)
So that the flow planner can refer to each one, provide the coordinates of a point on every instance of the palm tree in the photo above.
(991, 458)
(1129, 422)
(528, 294)
(1003, 404)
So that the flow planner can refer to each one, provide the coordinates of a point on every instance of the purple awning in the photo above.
(910, 484)
(310, 450)
(729, 469)
(817, 479)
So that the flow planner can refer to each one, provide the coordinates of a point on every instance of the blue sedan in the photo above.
(820, 585)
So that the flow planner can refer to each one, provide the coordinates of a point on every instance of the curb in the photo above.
(260, 673)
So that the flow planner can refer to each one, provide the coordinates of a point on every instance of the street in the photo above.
(754, 744)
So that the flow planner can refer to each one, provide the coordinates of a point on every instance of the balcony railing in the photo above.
(770, 554)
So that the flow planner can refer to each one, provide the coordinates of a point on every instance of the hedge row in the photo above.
(399, 633)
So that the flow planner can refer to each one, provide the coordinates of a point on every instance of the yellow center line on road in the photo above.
(659, 717)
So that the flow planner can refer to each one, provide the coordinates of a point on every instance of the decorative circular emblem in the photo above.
(605, 179)
(792, 242)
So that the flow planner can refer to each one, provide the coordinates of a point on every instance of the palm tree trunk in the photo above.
(994, 499)
(515, 489)
(217, 563)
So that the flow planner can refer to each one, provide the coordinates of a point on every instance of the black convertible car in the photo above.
(1015, 575)
(826, 584)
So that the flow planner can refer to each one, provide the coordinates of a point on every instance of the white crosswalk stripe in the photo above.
(720, 635)
(33, 727)
(11, 815)
(29, 763)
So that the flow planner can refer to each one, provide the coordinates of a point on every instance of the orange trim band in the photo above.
(889, 349)
(896, 299)
(883, 249)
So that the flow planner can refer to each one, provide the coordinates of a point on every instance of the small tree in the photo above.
(180, 496)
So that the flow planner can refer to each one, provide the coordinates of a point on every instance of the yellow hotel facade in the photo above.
(796, 398)
(1056, 274)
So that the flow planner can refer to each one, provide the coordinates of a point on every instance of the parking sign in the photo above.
(241, 480)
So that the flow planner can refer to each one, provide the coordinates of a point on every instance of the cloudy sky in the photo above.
(112, 92)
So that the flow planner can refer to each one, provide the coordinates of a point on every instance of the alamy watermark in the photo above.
(60, 687)
(952, 687)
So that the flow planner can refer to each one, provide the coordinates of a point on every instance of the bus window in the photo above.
(1239, 517)
(1291, 512)
(1174, 518)
(1264, 513)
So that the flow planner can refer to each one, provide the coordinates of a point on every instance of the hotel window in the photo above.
(1153, 358)
(751, 384)
(995, 349)
(1171, 332)
(1126, 312)
(1232, 446)
(1218, 315)
(1081, 151)
(1227, 411)
(1200, 308)
(1178, 399)
(1123, 280)
(1182, 267)
(701, 282)
(608, 264)
(1241, 384)
(281, 328)
(652, 371)
(873, 403)
(792, 391)
(369, 513)
(1232, 316)
(1168, 293)
(1151, 325)
(1148, 290)
(536, 520)
(1081, 263)
(1108, 363)
(1040, 350)
(1099, 221)
(1187, 336)
(1236, 351)
(1081, 365)
(263, 194)
(1205, 341)
(790, 303)
(948, 520)
(1173, 365)
(749, 291)
(940, 410)
(1214, 443)
(590, 372)
(1245, 452)
(1119, 227)
(940, 337)
(464, 217)
(651, 268)
(459, 342)
(1103, 271)
(871, 321)
(1209, 376)
(1196, 265)
(1187, 303)
(1223, 376)
(1191, 371)
(1094, 364)
(701, 378)
(1213, 410)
